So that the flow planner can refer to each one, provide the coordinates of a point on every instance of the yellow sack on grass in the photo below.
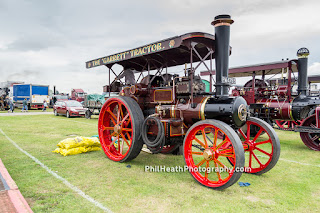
(77, 145)
(79, 142)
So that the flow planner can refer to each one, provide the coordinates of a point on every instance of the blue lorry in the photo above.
(35, 95)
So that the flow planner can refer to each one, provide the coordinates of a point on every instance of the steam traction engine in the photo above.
(275, 101)
(164, 111)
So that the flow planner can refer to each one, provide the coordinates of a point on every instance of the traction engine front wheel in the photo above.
(207, 146)
(119, 128)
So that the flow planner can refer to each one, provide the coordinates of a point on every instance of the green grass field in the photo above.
(292, 185)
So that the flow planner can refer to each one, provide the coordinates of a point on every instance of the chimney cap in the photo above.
(224, 18)
(303, 52)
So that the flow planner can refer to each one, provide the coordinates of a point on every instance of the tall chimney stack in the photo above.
(222, 49)
(302, 54)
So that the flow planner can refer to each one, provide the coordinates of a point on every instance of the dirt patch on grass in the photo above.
(257, 199)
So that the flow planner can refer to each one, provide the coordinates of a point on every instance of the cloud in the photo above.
(49, 41)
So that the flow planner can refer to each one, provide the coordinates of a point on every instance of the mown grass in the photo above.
(289, 186)
(30, 110)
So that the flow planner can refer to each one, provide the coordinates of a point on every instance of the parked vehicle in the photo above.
(35, 95)
(69, 108)
(77, 94)
(94, 102)
(58, 97)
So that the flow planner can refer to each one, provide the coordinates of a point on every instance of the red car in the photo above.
(69, 108)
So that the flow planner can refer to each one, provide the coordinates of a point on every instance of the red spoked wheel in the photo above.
(311, 140)
(262, 150)
(287, 125)
(206, 154)
(119, 128)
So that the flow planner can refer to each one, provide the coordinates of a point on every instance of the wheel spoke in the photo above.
(204, 146)
(215, 138)
(217, 170)
(227, 153)
(129, 137)
(127, 129)
(118, 114)
(121, 112)
(250, 159)
(197, 153)
(264, 152)
(221, 164)
(125, 117)
(248, 130)
(262, 142)
(314, 137)
(257, 135)
(124, 138)
(206, 172)
(107, 128)
(220, 144)
(118, 142)
(113, 116)
(204, 137)
(242, 133)
(254, 155)
(201, 162)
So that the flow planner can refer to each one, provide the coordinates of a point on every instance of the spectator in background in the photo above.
(24, 105)
(10, 103)
(45, 105)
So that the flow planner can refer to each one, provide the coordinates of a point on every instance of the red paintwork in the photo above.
(115, 146)
(75, 94)
(283, 108)
(287, 125)
(62, 110)
(222, 152)
(257, 153)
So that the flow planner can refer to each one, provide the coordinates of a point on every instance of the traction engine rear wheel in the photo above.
(119, 128)
(311, 140)
(262, 151)
(206, 152)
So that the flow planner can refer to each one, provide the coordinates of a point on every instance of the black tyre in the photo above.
(55, 112)
(68, 114)
(88, 114)
(152, 132)
(119, 128)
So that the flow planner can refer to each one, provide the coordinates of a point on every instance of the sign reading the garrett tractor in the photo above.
(140, 51)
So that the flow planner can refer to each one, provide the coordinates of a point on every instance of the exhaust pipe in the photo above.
(222, 39)
(302, 54)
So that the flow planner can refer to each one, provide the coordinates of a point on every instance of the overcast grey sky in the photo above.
(48, 42)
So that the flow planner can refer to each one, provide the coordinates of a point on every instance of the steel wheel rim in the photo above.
(223, 149)
(115, 129)
(311, 140)
(258, 154)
